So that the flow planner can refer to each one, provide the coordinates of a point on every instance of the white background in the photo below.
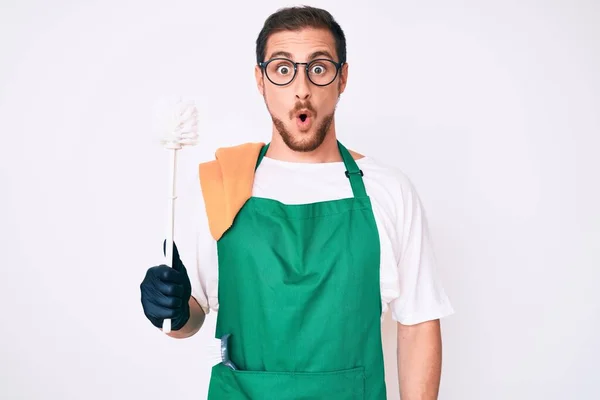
(490, 107)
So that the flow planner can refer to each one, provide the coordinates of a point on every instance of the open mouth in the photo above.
(303, 115)
(304, 120)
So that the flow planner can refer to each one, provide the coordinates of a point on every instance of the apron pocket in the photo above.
(225, 383)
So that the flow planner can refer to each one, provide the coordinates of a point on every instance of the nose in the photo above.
(302, 88)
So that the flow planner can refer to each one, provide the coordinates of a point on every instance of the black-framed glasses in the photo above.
(282, 71)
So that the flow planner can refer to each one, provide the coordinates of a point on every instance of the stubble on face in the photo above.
(305, 142)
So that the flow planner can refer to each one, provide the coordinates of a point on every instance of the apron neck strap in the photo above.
(353, 173)
(262, 153)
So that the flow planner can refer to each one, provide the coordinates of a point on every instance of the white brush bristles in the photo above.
(183, 127)
(213, 353)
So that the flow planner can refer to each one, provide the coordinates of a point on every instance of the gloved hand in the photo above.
(166, 292)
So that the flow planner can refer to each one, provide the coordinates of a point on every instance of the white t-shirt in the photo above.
(410, 286)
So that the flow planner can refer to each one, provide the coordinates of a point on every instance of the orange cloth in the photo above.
(227, 181)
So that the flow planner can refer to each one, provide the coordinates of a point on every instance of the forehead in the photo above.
(301, 43)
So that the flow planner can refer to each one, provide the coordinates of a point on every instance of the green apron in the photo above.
(299, 294)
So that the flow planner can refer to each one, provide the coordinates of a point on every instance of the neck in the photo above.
(327, 152)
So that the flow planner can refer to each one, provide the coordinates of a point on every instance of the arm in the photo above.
(193, 324)
(419, 355)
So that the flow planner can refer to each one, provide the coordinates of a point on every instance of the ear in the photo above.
(260, 81)
(343, 78)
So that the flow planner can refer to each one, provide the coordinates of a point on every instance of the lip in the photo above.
(308, 113)
(306, 125)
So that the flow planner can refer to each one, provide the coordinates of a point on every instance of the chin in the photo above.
(303, 140)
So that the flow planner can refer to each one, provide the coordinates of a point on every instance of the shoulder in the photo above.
(230, 164)
(389, 186)
(383, 172)
(232, 156)
(226, 183)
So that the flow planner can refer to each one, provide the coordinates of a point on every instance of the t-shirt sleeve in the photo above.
(422, 295)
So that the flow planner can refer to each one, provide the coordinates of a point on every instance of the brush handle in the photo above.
(170, 221)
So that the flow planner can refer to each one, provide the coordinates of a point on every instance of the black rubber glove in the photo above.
(166, 292)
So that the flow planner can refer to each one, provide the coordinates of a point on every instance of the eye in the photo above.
(318, 69)
(283, 69)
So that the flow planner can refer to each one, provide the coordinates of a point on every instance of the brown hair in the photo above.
(296, 18)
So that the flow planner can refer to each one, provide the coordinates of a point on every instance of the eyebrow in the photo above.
(314, 55)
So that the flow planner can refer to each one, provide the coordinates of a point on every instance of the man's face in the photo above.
(301, 111)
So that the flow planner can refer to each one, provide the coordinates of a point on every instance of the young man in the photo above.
(305, 244)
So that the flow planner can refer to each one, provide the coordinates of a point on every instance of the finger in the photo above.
(177, 264)
(169, 302)
(158, 312)
(156, 297)
(170, 289)
(169, 275)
